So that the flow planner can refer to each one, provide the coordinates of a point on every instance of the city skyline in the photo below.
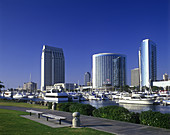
(81, 28)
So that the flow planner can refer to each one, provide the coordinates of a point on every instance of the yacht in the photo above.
(93, 97)
(8, 94)
(137, 100)
(56, 95)
(166, 101)
(17, 96)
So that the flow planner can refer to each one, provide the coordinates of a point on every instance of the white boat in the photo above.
(137, 100)
(17, 96)
(55, 95)
(166, 101)
(93, 97)
(31, 96)
(8, 94)
(103, 96)
(116, 96)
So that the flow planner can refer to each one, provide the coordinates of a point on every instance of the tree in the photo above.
(1, 86)
(126, 88)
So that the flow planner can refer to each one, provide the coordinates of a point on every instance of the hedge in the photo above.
(149, 118)
(84, 109)
(116, 113)
(155, 119)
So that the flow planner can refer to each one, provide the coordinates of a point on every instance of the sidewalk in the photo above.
(111, 126)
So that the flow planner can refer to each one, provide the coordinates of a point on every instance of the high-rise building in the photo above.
(135, 77)
(165, 77)
(147, 63)
(52, 66)
(109, 69)
(87, 78)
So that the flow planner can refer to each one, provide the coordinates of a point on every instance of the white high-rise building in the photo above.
(147, 63)
(52, 66)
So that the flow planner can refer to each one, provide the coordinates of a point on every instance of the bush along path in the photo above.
(149, 118)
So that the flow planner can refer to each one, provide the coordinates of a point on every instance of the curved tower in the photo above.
(109, 68)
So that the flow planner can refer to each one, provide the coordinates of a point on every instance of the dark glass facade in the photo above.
(52, 66)
(109, 68)
(87, 78)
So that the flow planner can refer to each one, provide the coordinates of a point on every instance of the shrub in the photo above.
(49, 104)
(84, 109)
(116, 113)
(63, 106)
(155, 119)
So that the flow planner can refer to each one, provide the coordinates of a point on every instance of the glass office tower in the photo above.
(147, 63)
(109, 68)
(87, 78)
(52, 66)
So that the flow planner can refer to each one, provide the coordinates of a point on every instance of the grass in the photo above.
(20, 104)
(13, 124)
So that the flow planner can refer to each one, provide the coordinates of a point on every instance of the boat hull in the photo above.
(56, 97)
(137, 101)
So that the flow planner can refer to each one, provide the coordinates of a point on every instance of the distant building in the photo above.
(147, 63)
(135, 77)
(52, 66)
(163, 84)
(109, 69)
(63, 86)
(87, 79)
(165, 77)
(30, 86)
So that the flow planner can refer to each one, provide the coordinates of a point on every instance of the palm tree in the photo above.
(1, 85)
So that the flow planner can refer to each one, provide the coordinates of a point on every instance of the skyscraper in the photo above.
(52, 66)
(147, 62)
(109, 68)
(135, 77)
(87, 78)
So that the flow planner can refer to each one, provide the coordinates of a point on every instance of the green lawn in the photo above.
(12, 124)
(20, 104)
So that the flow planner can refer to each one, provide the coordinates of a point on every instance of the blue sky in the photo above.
(82, 28)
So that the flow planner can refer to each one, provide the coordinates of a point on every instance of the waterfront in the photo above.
(101, 103)
(130, 107)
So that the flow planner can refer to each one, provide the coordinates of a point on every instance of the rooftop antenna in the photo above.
(30, 77)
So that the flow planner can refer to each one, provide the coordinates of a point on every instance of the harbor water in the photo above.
(131, 107)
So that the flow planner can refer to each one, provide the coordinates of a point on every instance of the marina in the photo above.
(135, 102)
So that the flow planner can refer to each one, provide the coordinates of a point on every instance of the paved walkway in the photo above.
(111, 126)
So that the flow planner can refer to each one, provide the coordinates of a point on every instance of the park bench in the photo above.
(36, 112)
(51, 116)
